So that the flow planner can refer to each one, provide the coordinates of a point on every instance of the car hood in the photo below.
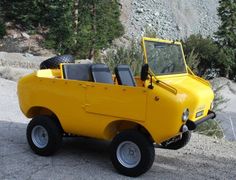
(195, 92)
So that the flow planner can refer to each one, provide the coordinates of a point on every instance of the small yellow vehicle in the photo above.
(161, 106)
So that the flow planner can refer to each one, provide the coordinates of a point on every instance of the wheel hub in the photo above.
(39, 136)
(128, 154)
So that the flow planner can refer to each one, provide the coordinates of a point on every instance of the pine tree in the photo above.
(79, 27)
(226, 34)
(97, 25)
(29, 13)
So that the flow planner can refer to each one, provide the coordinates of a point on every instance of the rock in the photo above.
(25, 35)
(28, 55)
(14, 36)
(139, 10)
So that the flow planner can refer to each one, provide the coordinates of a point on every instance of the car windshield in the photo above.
(164, 58)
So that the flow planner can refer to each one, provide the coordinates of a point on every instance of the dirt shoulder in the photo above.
(80, 158)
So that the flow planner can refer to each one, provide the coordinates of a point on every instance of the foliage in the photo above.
(226, 34)
(193, 61)
(150, 32)
(219, 100)
(98, 25)
(211, 128)
(29, 13)
(208, 55)
(130, 55)
(79, 27)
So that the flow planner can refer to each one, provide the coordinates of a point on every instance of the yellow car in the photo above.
(161, 106)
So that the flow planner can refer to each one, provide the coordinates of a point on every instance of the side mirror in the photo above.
(144, 72)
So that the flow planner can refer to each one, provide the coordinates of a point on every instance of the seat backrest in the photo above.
(77, 72)
(124, 75)
(101, 73)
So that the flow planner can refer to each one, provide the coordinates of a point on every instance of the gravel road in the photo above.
(81, 158)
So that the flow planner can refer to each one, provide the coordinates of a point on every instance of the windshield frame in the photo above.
(144, 39)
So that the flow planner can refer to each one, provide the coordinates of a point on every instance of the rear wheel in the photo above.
(132, 153)
(179, 143)
(44, 135)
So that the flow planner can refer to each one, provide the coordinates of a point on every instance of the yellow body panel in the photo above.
(100, 110)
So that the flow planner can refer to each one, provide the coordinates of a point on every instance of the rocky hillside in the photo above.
(171, 19)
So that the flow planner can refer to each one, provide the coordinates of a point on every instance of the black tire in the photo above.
(145, 147)
(54, 62)
(53, 133)
(186, 136)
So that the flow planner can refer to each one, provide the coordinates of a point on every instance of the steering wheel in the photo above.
(169, 68)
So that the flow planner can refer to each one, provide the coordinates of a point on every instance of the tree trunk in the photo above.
(94, 30)
(76, 19)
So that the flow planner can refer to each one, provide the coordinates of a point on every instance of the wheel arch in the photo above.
(117, 126)
(42, 111)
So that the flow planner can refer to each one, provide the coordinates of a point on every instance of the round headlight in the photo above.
(185, 115)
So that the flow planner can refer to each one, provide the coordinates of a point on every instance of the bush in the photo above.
(131, 55)
(81, 28)
(192, 61)
(208, 55)
(212, 127)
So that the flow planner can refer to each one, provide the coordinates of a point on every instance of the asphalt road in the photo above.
(83, 158)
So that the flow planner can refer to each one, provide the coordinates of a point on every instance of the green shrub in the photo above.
(192, 61)
(131, 55)
(150, 32)
(207, 55)
(81, 28)
(212, 127)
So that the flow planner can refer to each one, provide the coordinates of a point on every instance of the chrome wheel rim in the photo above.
(128, 154)
(39, 136)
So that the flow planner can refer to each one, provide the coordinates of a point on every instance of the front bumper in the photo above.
(193, 124)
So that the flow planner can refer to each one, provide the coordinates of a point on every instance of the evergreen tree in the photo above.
(209, 55)
(79, 27)
(97, 25)
(226, 35)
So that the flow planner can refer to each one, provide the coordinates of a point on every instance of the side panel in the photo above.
(69, 100)
(64, 98)
(118, 101)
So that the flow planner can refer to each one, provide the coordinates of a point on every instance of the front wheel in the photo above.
(44, 135)
(132, 153)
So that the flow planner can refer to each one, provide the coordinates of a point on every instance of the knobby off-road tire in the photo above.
(54, 62)
(132, 153)
(186, 136)
(44, 135)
